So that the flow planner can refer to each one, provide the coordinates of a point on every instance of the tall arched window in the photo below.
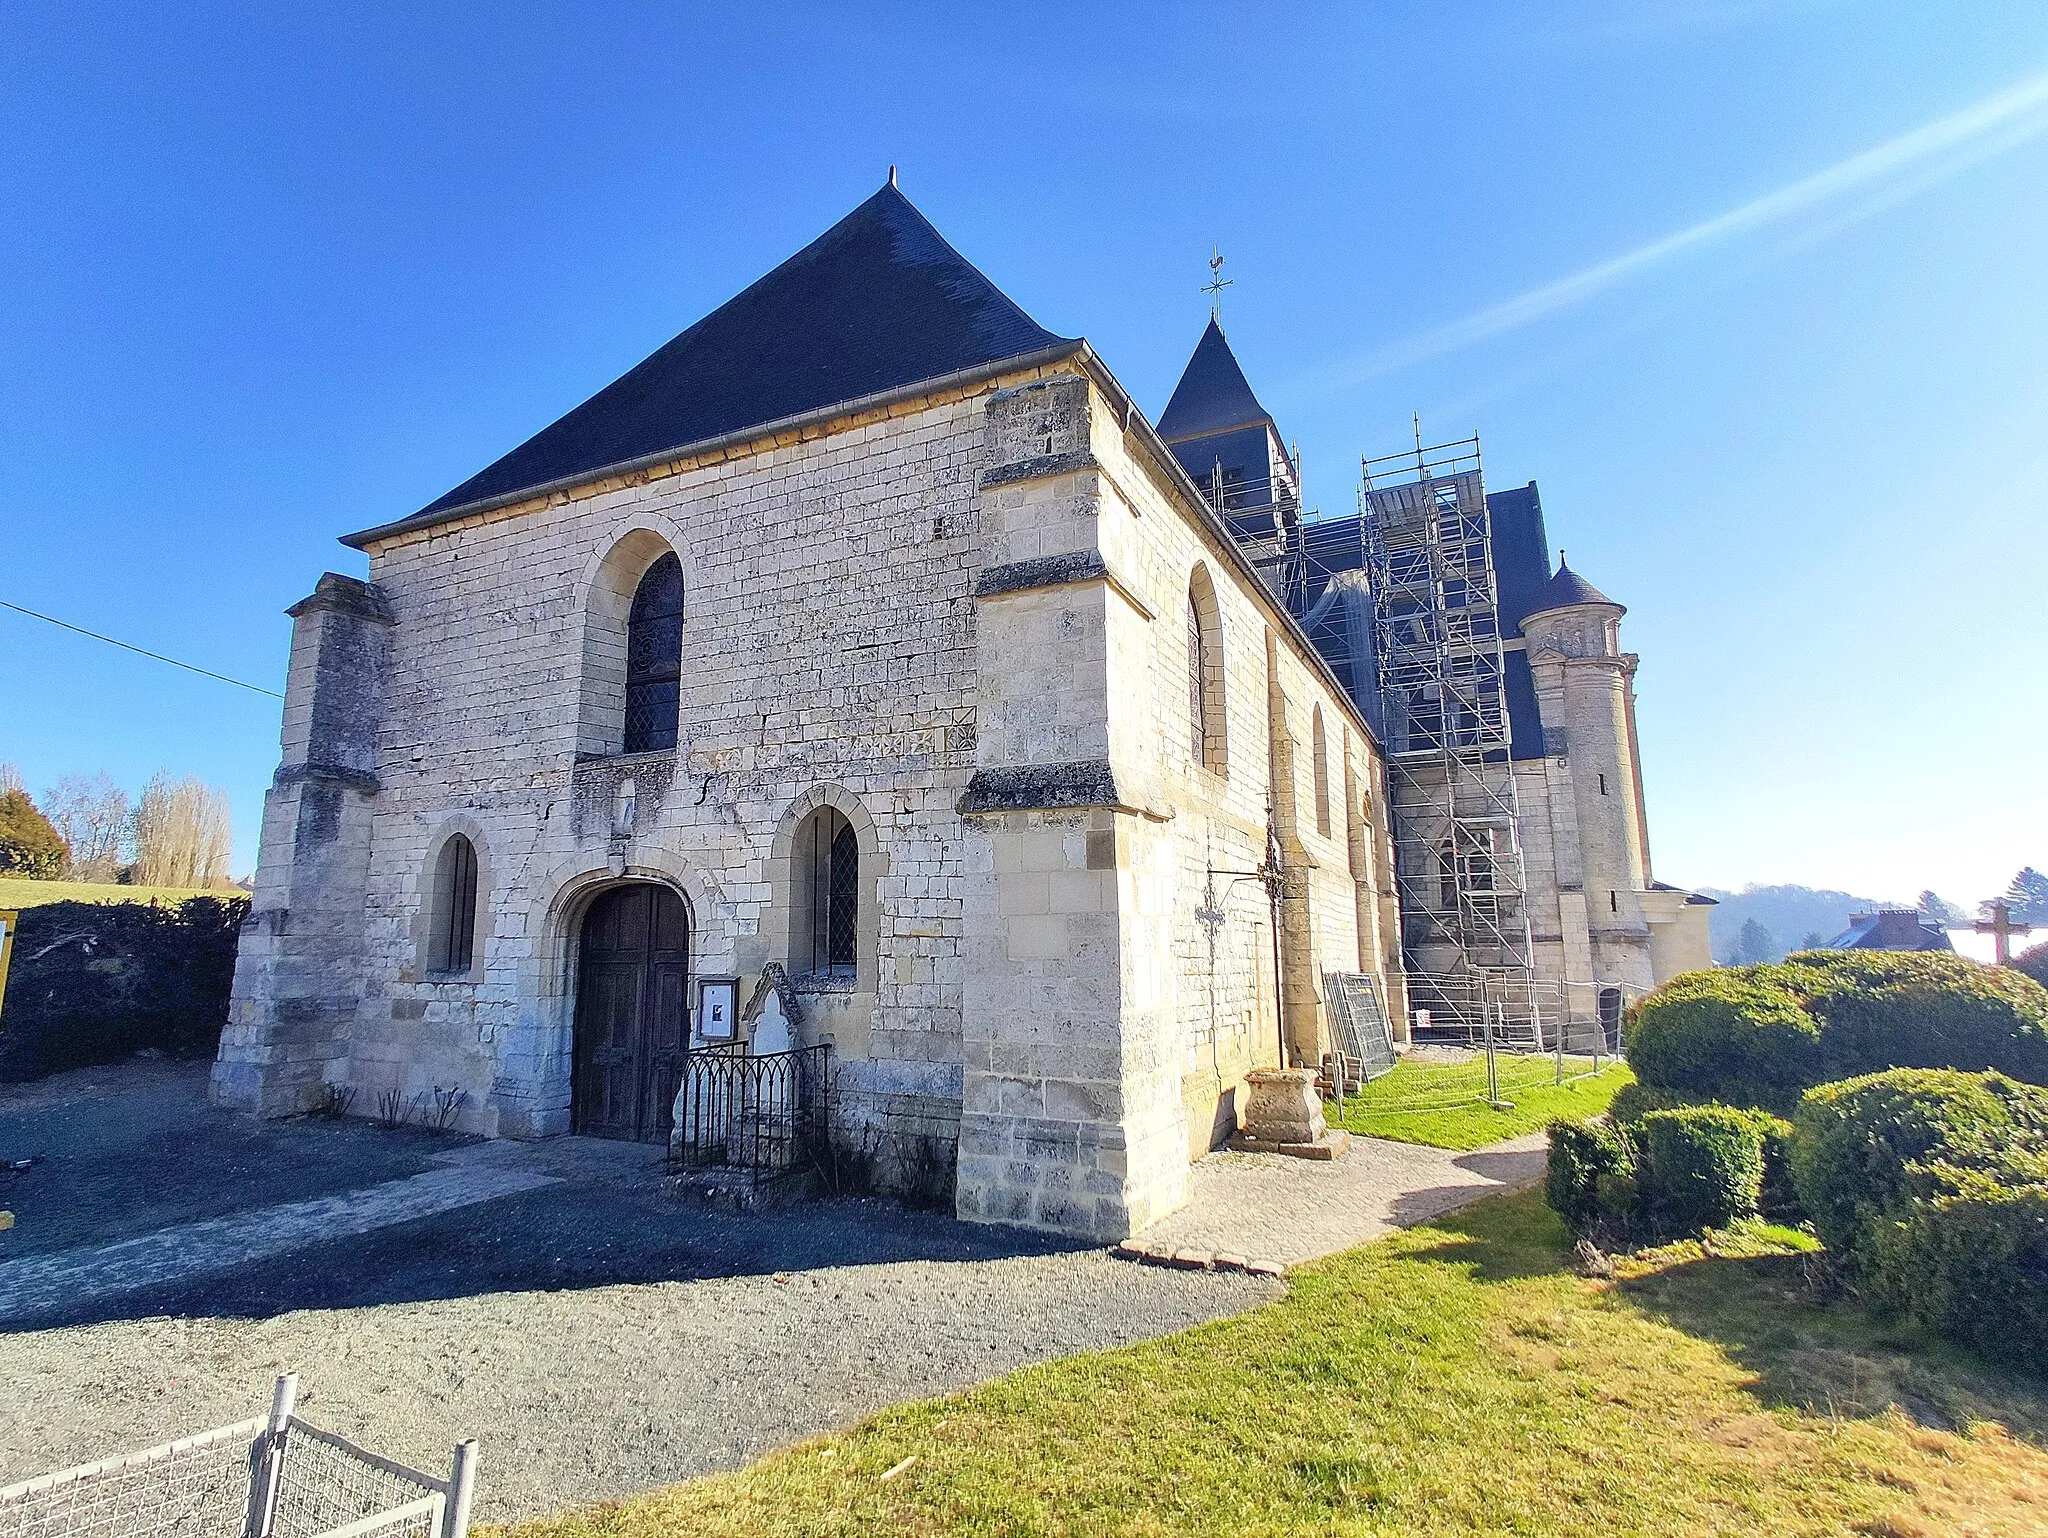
(1320, 743)
(1206, 730)
(654, 656)
(451, 942)
(826, 861)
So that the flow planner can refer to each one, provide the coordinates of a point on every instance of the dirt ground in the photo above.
(598, 1335)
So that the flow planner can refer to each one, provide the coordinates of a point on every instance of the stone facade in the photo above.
(1595, 911)
(958, 617)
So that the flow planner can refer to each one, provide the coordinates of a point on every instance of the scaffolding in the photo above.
(1441, 666)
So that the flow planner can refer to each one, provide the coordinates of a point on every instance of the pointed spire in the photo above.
(1212, 394)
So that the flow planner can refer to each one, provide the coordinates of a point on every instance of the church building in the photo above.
(862, 675)
(1506, 706)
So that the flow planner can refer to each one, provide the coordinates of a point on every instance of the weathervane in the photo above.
(1216, 285)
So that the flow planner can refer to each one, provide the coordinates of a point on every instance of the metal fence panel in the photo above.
(273, 1476)
(196, 1487)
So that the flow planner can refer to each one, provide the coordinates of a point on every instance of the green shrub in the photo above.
(1974, 1265)
(2034, 962)
(1863, 1150)
(1632, 1102)
(1731, 1035)
(94, 982)
(1590, 1178)
(1700, 1167)
(1778, 1197)
(1926, 1009)
(30, 844)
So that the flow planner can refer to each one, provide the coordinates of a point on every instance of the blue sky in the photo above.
(271, 274)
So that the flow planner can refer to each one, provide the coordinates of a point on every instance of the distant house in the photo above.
(1891, 929)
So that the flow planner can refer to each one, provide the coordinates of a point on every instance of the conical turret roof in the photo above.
(877, 302)
(1567, 588)
(1212, 394)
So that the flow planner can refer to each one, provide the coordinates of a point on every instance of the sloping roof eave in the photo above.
(818, 416)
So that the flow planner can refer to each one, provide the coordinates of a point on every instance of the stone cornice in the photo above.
(1049, 571)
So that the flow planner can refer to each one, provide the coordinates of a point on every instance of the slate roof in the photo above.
(1568, 588)
(1890, 929)
(1212, 394)
(877, 302)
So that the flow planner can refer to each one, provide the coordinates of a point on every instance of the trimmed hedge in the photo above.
(1759, 1036)
(1669, 1172)
(1725, 1035)
(95, 982)
(1590, 1177)
(1933, 1184)
(1927, 1009)
(1866, 1148)
(1701, 1167)
(1974, 1266)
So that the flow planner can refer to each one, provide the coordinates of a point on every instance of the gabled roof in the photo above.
(1568, 588)
(1212, 393)
(1890, 929)
(877, 302)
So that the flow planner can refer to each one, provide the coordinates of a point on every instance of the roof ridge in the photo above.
(879, 301)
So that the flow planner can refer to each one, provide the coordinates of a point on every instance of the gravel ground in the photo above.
(598, 1336)
(134, 1146)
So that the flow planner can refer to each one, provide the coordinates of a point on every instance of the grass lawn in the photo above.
(1445, 1106)
(20, 892)
(1452, 1379)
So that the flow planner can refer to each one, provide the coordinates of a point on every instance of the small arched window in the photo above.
(654, 657)
(451, 947)
(1198, 701)
(827, 880)
(1320, 744)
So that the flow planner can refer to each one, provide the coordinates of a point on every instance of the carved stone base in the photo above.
(1283, 1114)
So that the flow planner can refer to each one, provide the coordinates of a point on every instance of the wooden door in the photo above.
(632, 1012)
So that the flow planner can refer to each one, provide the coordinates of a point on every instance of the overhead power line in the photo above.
(140, 651)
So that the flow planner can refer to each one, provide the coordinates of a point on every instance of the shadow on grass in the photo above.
(1510, 1237)
(1836, 1357)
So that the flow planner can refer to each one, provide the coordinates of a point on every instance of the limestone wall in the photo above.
(962, 622)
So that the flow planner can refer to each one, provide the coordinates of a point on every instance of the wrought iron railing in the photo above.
(766, 1115)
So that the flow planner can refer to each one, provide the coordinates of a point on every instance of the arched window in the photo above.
(826, 868)
(654, 656)
(451, 944)
(1320, 743)
(1206, 744)
(1447, 877)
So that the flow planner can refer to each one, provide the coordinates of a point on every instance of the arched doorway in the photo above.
(632, 1012)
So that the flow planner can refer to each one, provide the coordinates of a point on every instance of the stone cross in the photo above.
(2001, 926)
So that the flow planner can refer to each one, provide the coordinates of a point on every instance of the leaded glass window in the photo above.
(825, 939)
(1198, 693)
(654, 655)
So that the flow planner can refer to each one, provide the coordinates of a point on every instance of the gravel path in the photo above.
(599, 1334)
(585, 1395)
(1266, 1207)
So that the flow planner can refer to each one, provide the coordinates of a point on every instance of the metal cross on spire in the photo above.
(1216, 285)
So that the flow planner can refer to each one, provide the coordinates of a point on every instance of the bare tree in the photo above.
(10, 778)
(182, 833)
(91, 811)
